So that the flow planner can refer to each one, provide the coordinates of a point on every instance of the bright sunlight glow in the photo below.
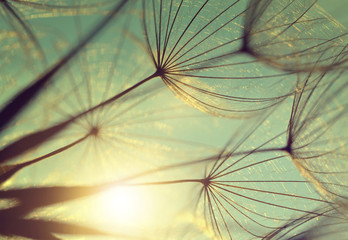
(123, 205)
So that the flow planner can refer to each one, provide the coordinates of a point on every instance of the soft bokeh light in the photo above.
(123, 205)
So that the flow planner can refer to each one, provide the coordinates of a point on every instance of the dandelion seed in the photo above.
(293, 35)
(196, 49)
(315, 138)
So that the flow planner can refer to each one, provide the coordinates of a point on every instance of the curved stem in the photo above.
(9, 173)
(37, 138)
(24, 97)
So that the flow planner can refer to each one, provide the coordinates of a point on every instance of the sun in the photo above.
(123, 205)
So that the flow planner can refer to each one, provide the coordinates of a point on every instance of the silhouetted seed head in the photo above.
(161, 72)
(94, 131)
(288, 149)
(244, 48)
(206, 182)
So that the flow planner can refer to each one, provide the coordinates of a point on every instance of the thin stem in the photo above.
(166, 182)
(37, 138)
(16, 104)
(9, 173)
